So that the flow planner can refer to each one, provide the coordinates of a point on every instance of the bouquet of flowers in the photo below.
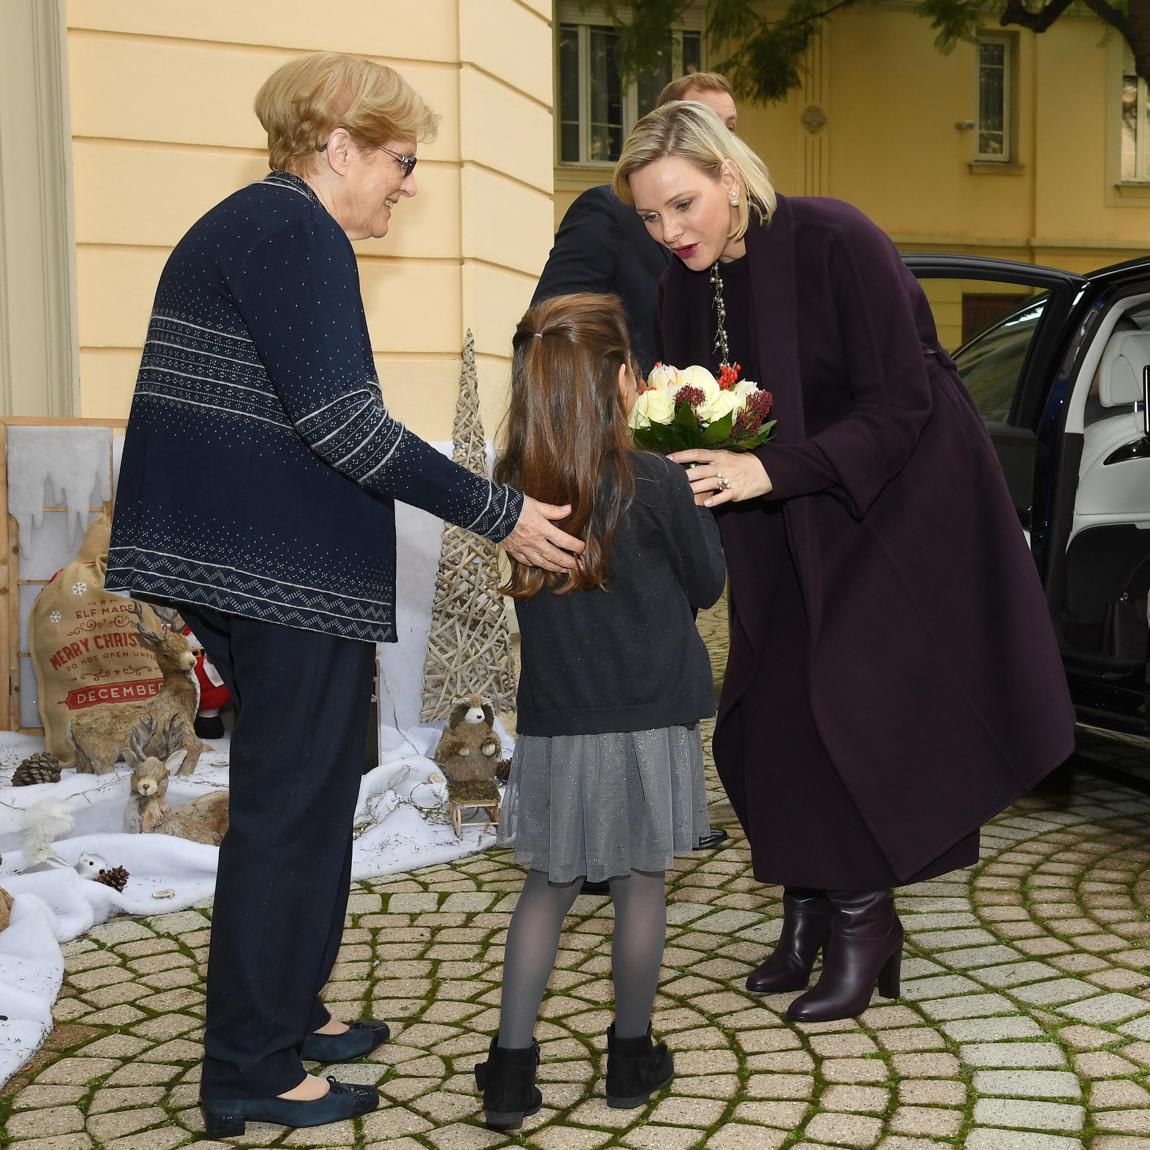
(689, 407)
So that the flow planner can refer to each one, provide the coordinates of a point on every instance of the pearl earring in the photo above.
(734, 201)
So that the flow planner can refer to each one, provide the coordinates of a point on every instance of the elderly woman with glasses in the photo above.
(258, 378)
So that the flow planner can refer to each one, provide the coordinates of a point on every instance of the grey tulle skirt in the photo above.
(604, 805)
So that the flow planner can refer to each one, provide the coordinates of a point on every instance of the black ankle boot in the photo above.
(806, 928)
(636, 1068)
(507, 1080)
(865, 949)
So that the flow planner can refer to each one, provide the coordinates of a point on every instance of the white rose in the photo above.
(660, 405)
(701, 380)
(653, 406)
(720, 404)
(663, 376)
(699, 377)
(743, 389)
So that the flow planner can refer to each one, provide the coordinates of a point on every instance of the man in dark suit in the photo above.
(602, 246)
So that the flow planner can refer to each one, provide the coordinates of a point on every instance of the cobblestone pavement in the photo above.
(1024, 1022)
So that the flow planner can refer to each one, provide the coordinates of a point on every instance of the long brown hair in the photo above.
(566, 438)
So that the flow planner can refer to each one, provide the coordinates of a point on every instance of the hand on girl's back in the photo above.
(537, 542)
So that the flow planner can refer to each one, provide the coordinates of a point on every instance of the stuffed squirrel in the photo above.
(468, 750)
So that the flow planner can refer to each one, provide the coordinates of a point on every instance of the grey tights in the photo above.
(533, 941)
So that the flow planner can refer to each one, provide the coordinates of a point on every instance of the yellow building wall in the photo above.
(894, 142)
(896, 148)
(163, 128)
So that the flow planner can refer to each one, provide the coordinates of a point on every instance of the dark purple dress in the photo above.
(893, 679)
(789, 779)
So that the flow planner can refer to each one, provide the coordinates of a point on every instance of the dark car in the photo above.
(1063, 382)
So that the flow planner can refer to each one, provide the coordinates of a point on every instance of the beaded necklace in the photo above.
(722, 348)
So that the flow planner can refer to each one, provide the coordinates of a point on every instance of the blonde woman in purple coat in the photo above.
(893, 679)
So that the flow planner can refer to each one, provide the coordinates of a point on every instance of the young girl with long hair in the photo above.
(607, 778)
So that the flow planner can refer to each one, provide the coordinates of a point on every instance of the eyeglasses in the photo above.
(407, 163)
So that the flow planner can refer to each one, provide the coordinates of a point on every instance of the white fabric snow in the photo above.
(400, 825)
(69, 465)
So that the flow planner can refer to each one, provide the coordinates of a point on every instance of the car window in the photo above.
(991, 363)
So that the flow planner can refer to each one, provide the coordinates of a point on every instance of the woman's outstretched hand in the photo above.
(537, 542)
(719, 477)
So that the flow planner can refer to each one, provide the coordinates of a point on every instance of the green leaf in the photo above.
(750, 442)
(715, 433)
(661, 437)
(686, 420)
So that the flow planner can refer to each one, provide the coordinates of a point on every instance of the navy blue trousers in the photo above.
(303, 702)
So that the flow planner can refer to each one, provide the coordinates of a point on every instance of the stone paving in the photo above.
(1024, 1021)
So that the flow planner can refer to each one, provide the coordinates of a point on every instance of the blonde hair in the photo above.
(301, 103)
(694, 81)
(695, 132)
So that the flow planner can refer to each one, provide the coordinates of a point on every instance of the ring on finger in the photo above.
(724, 482)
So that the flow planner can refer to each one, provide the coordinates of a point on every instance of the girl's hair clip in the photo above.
(537, 334)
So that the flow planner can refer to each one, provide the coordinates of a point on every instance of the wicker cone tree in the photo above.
(469, 644)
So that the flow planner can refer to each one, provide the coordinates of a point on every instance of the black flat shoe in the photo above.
(715, 837)
(361, 1038)
(228, 1117)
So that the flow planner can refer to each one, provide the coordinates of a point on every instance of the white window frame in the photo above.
(586, 16)
(1141, 173)
(1007, 42)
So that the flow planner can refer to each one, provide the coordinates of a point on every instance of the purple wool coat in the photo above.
(935, 681)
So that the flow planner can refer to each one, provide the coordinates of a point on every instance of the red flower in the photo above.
(692, 397)
(761, 403)
(753, 415)
(729, 375)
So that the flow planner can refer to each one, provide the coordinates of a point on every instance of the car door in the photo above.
(1009, 366)
(1099, 537)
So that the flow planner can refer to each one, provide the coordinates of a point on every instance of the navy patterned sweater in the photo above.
(260, 464)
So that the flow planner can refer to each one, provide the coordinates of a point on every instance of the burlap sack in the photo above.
(85, 645)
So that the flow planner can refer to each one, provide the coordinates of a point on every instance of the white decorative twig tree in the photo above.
(469, 644)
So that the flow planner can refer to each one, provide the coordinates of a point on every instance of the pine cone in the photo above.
(503, 770)
(116, 878)
(41, 767)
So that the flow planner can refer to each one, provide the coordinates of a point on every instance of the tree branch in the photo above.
(1015, 12)
(766, 56)
(822, 14)
(1113, 17)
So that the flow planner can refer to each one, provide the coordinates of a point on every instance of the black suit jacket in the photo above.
(603, 246)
